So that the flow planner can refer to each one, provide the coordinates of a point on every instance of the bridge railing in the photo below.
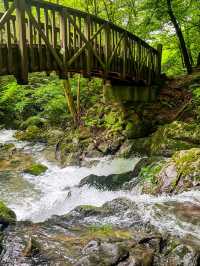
(41, 36)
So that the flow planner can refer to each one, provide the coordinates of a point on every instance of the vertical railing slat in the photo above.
(46, 30)
(63, 35)
(30, 42)
(38, 10)
(22, 74)
(8, 39)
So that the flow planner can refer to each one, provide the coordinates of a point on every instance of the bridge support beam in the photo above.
(132, 93)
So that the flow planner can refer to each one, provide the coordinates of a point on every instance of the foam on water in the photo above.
(57, 192)
(49, 193)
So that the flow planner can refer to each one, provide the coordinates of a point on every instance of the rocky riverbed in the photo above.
(122, 189)
(74, 216)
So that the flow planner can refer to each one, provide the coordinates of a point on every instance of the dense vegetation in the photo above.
(45, 101)
(74, 121)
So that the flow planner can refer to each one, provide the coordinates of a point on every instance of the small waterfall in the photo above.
(37, 198)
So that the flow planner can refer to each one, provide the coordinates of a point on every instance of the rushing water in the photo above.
(37, 198)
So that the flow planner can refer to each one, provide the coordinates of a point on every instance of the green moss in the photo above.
(188, 162)
(150, 172)
(7, 216)
(36, 169)
(107, 230)
(174, 137)
(32, 133)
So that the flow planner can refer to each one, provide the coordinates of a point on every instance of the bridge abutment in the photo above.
(133, 93)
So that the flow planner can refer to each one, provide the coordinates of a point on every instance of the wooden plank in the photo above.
(53, 29)
(14, 31)
(21, 33)
(30, 42)
(8, 35)
(6, 15)
(115, 49)
(46, 30)
(87, 29)
(63, 34)
(39, 44)
(80, 43)
(159, 49)
(107, 48)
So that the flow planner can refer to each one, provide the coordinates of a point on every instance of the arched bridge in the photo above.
(40, 36)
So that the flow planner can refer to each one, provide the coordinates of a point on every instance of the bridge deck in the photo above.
(41, 36)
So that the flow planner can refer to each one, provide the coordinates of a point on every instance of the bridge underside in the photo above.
(41, 59)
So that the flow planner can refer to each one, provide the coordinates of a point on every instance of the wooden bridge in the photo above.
(40, 36)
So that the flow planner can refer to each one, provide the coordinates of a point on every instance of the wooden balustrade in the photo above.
(40, 36)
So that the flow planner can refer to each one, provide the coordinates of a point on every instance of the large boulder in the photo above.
(178, 174)
(110, 182)
(32, 134)
(174, 137)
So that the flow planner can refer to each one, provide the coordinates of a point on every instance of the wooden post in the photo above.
(125, 49)
(107, 48)
(22, 75)
(88, 51)
(46, 30)
(159, 49)
(63, 34)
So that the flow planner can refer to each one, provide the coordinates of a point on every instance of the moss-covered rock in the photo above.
(7, 150)
(188, 162)
(36, 169)
(7, 216)
(174, 137)
(178, 174)
(32, 133)
(33, 121)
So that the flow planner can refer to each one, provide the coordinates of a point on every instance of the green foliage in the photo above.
(41, 99)
(107, 230)
(188, 162)
(33, 121)
(149, 173)
(196, 95)
(7, 216)
(114, 121)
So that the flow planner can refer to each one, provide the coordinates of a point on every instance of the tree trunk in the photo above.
(78, 98)
(180, 37)
(198, 60)
(70, 100)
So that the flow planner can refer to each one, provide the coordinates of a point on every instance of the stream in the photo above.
(56, 192)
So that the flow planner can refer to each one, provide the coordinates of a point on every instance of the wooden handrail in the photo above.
(55, 37)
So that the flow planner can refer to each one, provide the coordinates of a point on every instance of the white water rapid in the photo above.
(37, 198)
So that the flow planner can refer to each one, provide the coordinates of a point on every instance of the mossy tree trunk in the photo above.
(78, 98)
(70, 100)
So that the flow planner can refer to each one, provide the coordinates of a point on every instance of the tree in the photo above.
(180, 37)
